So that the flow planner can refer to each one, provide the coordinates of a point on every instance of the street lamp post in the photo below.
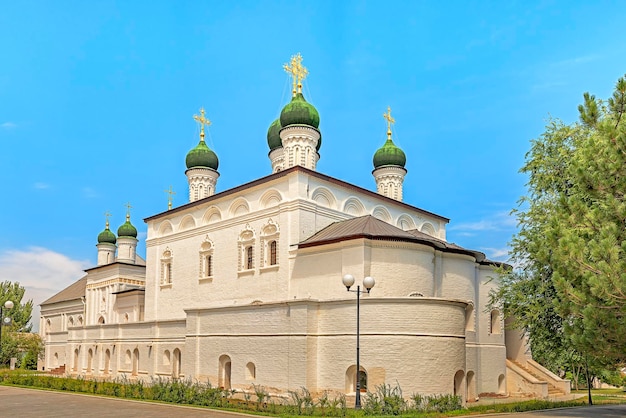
(368, 283)
(4, 321)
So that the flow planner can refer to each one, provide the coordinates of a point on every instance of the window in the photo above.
(208, 265)
(269, 244)
(272, 253)
(249, 257)
(206, 259)
(166, 267)
(246, 249)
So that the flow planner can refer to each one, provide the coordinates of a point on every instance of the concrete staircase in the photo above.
(553, 391)
(531, 378)
(59, 371)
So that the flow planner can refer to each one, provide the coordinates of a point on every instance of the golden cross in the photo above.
(107, 215)
(128, 208)
(293, 71)
(302, 72)
(203, 121)
(170, 192)
(297, 70)
(390, 121)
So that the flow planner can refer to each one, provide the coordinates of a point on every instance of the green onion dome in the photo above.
(273, 135)
(201, 156)
(299, 112)
(389, 154)
(106, 236)
(127, 229)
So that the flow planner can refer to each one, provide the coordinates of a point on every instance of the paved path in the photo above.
(602, 411)
(19, 402)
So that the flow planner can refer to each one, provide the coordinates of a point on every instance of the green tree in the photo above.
(12, 343)
(568, 290)
(21, 313)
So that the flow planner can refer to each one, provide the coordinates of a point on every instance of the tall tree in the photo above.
(568, 290)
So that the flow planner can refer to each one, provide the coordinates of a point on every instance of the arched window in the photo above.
(249, 257)
(166, 358)
(246, 249)
(272, 253)
(166, 267)
(206, 259)
(101, 320)
(269, 244)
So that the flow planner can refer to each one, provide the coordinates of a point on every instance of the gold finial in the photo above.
(298, 72)
(170, 192)
(107, 215)
(203, 121)
(389, 120)
(128, 208)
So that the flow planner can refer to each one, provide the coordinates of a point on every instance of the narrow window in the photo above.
(249, 258)
(273, 253)
(209, 265)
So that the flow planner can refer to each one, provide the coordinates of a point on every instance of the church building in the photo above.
(244, 286)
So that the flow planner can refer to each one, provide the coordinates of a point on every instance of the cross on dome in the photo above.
(390, 120)
(202, 120)
(298, 72)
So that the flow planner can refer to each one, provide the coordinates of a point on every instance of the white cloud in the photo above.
(8, 125)
(89, 193)
(499, 221)
(40, 185)
(496, 254)
(42, 272)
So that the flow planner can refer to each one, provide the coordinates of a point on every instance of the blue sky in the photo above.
(97, 98)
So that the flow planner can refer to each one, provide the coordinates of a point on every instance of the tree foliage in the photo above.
(568, 290)
(16, 337)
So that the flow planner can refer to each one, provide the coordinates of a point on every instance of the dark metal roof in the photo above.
(74, 291)
(372, 228)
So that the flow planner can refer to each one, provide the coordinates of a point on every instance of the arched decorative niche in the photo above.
(239, 207)
(405, 222)
(250, 371)
(381, 213)
(428, 228)
(324, 197)
(188, 222)
(165, 228)
(470, 317)
(270, 198)
(354, 206)
(211, 215)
